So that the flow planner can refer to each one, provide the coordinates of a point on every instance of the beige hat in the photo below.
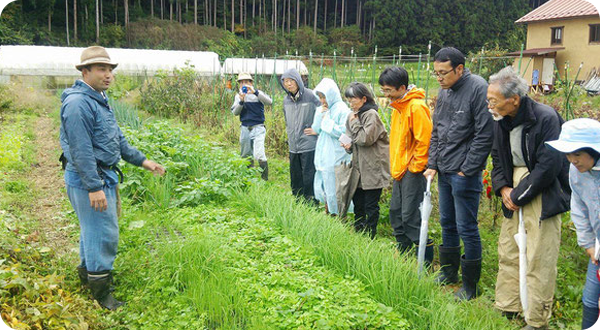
(245, 76)
(94, 55)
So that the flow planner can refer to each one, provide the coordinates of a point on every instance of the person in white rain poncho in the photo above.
(329, 124)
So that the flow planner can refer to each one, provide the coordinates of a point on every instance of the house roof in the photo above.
(559, 9)
(538, 51)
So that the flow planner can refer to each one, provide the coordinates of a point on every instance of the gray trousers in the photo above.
(405, 217)
(252, 142)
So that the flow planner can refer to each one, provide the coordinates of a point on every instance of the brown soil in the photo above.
(46, 175)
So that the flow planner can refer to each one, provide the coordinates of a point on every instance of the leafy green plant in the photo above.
(12, 142)
(391, 279)
(126, 114)
(172, 95)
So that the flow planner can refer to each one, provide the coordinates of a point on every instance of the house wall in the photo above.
(576, 35)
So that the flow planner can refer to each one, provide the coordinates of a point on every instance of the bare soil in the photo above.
(46, 175)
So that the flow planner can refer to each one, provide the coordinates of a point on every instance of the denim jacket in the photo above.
(585, 204)
(90, 137)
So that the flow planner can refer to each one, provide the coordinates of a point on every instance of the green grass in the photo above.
(391, 279)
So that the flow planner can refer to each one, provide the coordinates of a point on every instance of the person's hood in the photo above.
(79, 87)
(293, 74)
(331, 91)
(413, 93)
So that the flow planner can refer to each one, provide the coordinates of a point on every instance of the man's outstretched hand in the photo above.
(153, 167)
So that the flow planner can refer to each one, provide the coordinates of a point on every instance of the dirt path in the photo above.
(46, 176)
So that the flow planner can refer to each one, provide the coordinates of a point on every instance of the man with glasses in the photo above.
(410, 132)
(460, 144)
(299, 106)
(531, 179)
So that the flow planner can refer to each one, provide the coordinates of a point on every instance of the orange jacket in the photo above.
(410, 133)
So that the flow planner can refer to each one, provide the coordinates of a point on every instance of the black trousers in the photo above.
(302, 175)
(405, 217)
(366, 210)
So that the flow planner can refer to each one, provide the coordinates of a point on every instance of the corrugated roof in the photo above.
(559, 9)
(537, 51)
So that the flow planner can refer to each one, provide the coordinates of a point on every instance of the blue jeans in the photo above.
(591, 291)
(459, 204)
(99, 235)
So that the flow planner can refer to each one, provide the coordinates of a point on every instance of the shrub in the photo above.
(345, 39)
(5, 100)
(173, 95)
(304, 40)
(112, 35)
(268, 44)
(162, 34)
(491, 62)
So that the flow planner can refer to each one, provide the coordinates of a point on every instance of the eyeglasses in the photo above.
(493, 103)
(386, 90)
(441, 74)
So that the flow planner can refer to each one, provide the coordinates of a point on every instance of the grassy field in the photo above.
(210, 246)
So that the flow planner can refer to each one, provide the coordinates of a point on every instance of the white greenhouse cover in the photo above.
(61, 61)
(261, 66)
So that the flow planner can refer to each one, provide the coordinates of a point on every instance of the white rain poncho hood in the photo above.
(330, 125)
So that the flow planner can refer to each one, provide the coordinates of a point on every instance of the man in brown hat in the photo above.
(92, 145)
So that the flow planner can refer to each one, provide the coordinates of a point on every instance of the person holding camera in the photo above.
(249, 104)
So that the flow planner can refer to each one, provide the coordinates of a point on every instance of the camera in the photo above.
(245, 89)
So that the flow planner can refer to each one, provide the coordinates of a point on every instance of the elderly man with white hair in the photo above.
(534, 178)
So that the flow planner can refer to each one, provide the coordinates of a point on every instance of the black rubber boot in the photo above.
(449, 264)
(403, 244)
(428, 252)
(265, 167)
(99, 283)
(590, 316)
(471, 272)
(83, 275)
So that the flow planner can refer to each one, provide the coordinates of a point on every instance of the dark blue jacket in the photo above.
(252, 109)
(90, 137)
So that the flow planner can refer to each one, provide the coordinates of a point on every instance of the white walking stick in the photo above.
(521, 238)
(425, 213)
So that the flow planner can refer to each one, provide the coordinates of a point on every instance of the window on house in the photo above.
(557, 35)
(594, 33)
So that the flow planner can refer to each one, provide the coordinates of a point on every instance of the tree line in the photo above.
(465, 24)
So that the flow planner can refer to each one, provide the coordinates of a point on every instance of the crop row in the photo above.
(248, 255)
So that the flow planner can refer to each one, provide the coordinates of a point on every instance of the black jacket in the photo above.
(548, 168)
(462, 128)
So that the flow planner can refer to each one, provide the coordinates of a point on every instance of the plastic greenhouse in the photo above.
(60, 61)
(262, 66)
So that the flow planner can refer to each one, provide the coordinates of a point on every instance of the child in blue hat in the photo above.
(580, 141)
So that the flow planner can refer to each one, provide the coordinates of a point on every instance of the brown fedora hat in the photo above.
(94, 55)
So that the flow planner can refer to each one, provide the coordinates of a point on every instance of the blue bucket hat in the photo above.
(577, 134)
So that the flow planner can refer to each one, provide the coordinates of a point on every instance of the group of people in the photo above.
(344, 157)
